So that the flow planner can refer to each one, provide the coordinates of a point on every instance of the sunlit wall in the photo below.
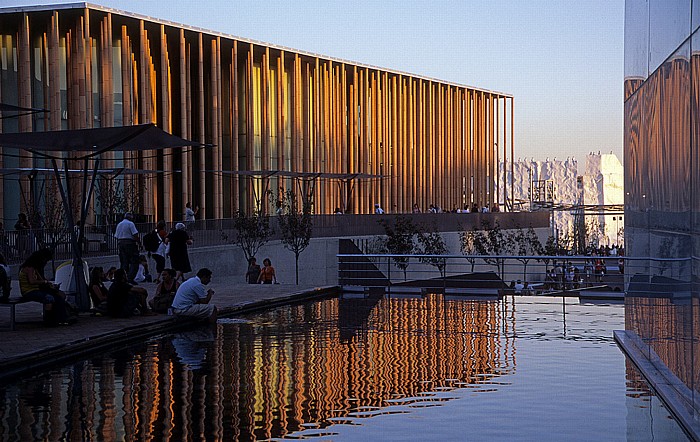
(662, 175)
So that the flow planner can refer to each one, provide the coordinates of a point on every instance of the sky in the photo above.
(562, 60)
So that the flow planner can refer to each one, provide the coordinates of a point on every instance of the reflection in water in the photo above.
(292, 371)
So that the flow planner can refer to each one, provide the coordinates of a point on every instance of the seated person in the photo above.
(142, 274)
(165, 292)
(109, 276)
(192, 298)
(97, 289)
(34, 287)
(5, 282)
(124, 299)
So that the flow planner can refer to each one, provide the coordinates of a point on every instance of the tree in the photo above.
(550, 249)
(467, 246)
(252, 232)
(526, 244)
(494, 243)
(400, 240)
(296, 225)
(432, 243)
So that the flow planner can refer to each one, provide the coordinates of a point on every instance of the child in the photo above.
(267, 273)
(142, 274)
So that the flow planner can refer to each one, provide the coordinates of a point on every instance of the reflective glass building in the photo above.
(662, 201)
(264, 107)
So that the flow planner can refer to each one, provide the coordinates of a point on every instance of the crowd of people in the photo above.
(434, 208)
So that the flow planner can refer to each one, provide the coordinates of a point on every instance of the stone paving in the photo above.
(34, 345)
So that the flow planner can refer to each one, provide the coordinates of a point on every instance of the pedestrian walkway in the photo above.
(33, 345)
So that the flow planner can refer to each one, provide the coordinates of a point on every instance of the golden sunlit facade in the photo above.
(295, 366)
(662, 182)
(262, 107)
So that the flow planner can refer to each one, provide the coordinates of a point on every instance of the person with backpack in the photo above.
(156, 244)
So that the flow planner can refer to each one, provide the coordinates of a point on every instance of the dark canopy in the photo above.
(95, 141)
(17, 111)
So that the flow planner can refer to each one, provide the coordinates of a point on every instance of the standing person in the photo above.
(179, 239)
(190, 215)
(23, 228)
(128, 245)
(253, 271)
(192, 298)
(267, 273)
(165, 292)
(34, 287)
(162, 251)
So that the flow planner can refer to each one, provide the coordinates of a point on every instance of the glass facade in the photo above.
(662, 200)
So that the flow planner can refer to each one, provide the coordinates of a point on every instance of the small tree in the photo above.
(493, 242)
(526, 244)
(432, 243)
(550, 249)
(467, 245)
(295, 225)
(400, 240)
(252, 232)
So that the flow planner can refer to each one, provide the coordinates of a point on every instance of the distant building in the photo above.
(561, 187)
(263, 107)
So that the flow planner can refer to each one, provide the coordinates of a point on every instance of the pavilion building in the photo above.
(262, 108)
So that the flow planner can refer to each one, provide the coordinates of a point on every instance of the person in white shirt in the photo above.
(128, 245)
(193, 299)
(378, 209)
(190, 215)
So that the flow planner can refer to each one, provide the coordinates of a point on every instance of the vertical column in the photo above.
(512, 136)
(307, 117)
(234, 128)
(219, 151)
(87, 60)
(265, 109)
(185, 126)
(201, 195)
(166, 125)
(295, 151)
(353, 149)
(216, 133)
(281, 114)
(394, 142)
(250, 130)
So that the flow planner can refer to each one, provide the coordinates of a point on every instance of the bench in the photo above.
(11, 304)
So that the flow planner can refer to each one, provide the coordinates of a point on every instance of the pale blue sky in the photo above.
(562, 60)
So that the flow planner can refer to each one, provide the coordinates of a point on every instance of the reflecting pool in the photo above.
(357, 368)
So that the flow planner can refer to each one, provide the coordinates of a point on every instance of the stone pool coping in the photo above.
(678, 398)
(32, 346)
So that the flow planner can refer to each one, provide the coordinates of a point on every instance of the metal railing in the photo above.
(99, 239)
(537, 274)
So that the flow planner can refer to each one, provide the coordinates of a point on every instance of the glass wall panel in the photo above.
(636, 44)
(669, 26)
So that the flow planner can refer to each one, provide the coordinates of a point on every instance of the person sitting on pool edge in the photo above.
(192, 298)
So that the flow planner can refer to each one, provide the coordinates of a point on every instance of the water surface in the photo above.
(356, 368)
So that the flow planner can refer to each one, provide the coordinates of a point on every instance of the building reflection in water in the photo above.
(285, 370)
(279, 372)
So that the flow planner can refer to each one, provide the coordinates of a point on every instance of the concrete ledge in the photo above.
(677, 397)
(88, 344)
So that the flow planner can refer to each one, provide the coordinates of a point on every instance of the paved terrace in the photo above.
(35, 346)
